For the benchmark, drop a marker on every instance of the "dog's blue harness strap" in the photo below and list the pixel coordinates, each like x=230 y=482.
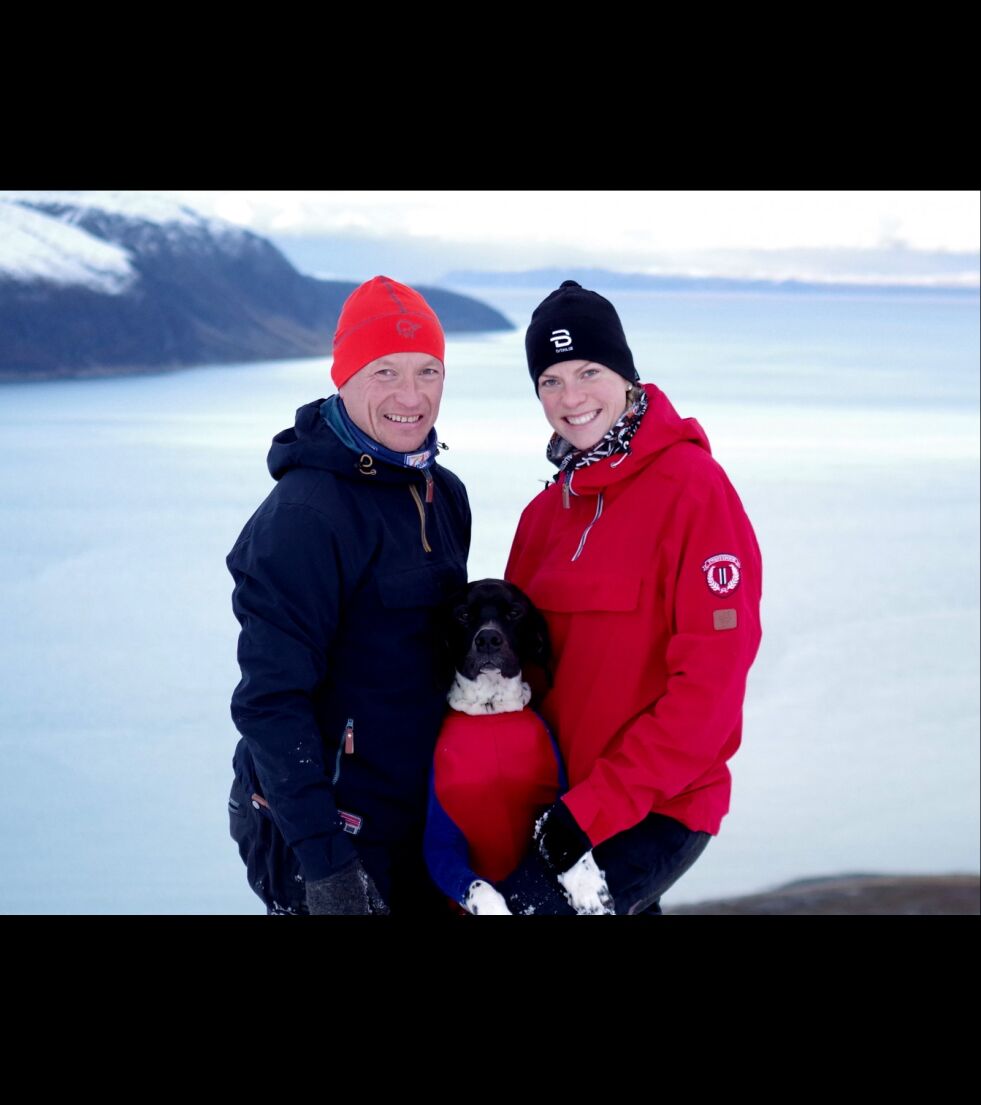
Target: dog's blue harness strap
x=446 y=851
x=563 y=778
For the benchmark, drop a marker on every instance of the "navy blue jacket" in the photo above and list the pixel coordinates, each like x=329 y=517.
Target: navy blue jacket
x=338 y=577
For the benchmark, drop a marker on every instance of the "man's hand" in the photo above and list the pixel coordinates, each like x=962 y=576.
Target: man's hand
x=559 y=839
x=348 y=891
x=482 y=899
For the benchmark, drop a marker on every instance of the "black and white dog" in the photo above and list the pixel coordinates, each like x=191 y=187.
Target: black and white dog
x=492 y=632
x=496 y=767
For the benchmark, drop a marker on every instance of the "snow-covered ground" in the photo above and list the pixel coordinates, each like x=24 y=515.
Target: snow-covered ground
x=850 y=429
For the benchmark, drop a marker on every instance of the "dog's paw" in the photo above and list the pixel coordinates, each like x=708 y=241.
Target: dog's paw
x=585 y=887
x=482 y=899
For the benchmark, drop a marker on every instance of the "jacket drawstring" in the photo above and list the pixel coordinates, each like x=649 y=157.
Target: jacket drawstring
x=585 y=532
x=566 y=489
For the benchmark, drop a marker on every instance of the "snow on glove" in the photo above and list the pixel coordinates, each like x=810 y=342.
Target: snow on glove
x=560 y=840
x=585 y=888
x=348 y=891
x=483 y=899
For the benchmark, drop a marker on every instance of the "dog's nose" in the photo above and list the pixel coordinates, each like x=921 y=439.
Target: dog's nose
x=488 y=640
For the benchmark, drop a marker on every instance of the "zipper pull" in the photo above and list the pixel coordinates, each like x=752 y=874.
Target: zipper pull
x=429 y=485
x=565 y=490
x=349 y=737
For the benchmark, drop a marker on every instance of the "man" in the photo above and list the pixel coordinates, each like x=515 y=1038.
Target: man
x=338 y=576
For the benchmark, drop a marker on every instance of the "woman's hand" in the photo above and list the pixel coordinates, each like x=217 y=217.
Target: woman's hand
x=559 y=839
x=585 y=888
x=569 y=853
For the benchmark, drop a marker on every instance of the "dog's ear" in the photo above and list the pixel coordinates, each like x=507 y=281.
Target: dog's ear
x=451 y=627
x=538 y=641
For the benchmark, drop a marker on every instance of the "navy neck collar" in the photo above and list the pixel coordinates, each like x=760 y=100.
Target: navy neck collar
x=334 y=413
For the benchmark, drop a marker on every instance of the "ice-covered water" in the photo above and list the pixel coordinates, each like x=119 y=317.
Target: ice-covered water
x=849 y=426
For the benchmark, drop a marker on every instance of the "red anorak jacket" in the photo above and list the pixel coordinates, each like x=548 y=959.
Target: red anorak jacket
x=649 y=575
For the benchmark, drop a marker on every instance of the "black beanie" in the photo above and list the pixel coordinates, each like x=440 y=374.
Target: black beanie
x=575 y=324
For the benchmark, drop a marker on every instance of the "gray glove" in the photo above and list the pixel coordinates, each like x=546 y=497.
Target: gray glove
x=348 y=891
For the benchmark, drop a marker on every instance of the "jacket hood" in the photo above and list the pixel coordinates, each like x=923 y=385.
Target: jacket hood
x=311 y=443
x=660 y=428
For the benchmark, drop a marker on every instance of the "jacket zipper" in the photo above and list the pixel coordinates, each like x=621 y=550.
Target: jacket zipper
x=422 y=510
x=346 y=745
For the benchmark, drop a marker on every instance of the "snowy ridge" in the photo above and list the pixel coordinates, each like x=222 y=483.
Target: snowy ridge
x=41 y=239
x=34 y=246
x=145 y=206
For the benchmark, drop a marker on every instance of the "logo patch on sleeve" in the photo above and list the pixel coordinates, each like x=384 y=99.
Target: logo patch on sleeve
x=724 y=619
x=351 y=822
x=722 y=573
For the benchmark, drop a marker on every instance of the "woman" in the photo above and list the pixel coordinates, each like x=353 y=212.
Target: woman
x=646 y=568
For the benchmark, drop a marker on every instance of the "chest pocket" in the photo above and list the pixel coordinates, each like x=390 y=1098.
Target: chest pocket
x=570 y=592
x=426 y=586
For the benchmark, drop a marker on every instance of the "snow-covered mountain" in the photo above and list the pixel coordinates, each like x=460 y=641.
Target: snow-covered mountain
x=102 y=283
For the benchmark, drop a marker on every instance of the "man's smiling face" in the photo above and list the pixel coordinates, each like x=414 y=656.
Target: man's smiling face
x=395 y=399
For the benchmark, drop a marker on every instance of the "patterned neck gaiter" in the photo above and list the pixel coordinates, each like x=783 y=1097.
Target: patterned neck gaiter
x=615 y=440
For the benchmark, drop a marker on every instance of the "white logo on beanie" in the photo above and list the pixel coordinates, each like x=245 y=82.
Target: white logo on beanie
x=561 y=339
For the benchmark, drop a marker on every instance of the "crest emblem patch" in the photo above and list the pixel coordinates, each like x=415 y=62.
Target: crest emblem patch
x=722 y=573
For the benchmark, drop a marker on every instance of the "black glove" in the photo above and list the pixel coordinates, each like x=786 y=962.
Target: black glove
x=560 y=840
x=348 y=891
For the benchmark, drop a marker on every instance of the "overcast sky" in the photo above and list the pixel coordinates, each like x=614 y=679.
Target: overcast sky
x=821 y=234
x=621 y=220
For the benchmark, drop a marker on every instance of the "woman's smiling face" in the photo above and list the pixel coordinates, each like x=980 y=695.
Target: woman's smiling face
x=582 y=400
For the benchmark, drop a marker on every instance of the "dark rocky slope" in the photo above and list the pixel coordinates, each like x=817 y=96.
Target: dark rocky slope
x=852 y=895
x=199 y=292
